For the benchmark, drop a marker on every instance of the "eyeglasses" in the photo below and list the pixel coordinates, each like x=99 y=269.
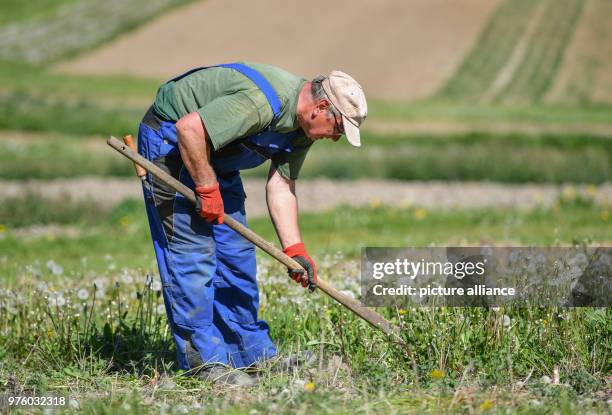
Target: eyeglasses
x=338 y=126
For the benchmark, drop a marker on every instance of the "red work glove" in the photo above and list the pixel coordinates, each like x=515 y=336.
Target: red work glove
x=299 y=254
x=209 y=203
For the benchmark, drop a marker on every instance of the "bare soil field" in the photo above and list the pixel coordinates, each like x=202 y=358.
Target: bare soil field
x=395 y=49
x=323 y=194
x=586 y=72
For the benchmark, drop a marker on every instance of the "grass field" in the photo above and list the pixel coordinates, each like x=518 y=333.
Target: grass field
x=41 y=32
x=524 y=42
x=84 y=321
x=67 y=109
x=552 y=158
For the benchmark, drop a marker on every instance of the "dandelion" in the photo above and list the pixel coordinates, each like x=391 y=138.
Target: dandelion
x=568 y=193
x=437 y=374
x=156 y=286
x=56 y=300
x=126 y=278
x=83 y=294
x=486 y=405
x=125 y=221
x=591 y=190
x=54 y=267
x=420 y=214
x=403 y=312
x=310 y=387
x=506 y=321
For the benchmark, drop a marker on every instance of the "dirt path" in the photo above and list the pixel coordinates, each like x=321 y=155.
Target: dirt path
x=404 y=49
x=320 y=195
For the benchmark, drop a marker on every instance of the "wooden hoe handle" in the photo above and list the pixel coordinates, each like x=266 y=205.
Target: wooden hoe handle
x=355 y=306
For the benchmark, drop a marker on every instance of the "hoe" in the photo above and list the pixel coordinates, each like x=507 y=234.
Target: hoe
x=142 y=165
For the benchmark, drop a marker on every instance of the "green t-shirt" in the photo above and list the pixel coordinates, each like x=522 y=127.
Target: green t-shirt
x=232 y=107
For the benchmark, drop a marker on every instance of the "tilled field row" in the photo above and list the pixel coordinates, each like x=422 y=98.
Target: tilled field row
x=323 y=194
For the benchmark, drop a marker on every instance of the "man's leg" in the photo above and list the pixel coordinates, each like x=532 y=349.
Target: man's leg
x=185 y=250
x=236 y=292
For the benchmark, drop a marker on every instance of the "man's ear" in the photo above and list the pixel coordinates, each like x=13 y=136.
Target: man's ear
x=322 y=106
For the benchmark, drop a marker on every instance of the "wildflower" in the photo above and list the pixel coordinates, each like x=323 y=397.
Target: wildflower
x=568 y=193
x=54 y=267
x=591 y=190
x=605 y=215
x=125 y=221
x=50 y=333
x=57 y=300
x=375 y=203
x=2 y=228
x=310 y=387
x=126 y=277
x=42 y=286
x=160 y=309
x=486 y=405
x=83 y=294
x=402 y=311
x=420 y=213
x=156 y=286
x=437 y=374
x=506 y=320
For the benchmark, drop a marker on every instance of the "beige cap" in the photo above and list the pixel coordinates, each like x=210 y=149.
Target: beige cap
x=347 y=96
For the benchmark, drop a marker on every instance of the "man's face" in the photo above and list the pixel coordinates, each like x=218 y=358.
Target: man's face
x=319 y=123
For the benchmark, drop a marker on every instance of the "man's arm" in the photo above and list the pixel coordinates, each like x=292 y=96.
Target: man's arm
x=283 y=208
x=195 y=147
x=282 y=205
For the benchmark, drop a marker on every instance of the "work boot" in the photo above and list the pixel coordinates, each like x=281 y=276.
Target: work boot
x=222 y=375
x=216 y=373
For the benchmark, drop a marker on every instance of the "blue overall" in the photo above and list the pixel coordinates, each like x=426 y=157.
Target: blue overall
x=208 y=272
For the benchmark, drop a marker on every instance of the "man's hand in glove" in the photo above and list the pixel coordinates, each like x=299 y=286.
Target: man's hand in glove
x=210 y=203
x=299 y=254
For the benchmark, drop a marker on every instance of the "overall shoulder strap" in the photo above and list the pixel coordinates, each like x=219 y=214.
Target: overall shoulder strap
x=257 y=78
x=262 y=83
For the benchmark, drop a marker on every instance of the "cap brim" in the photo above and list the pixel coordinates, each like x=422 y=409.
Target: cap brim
x=351 y=131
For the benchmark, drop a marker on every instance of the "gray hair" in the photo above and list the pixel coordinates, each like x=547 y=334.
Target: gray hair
x=318 y=93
